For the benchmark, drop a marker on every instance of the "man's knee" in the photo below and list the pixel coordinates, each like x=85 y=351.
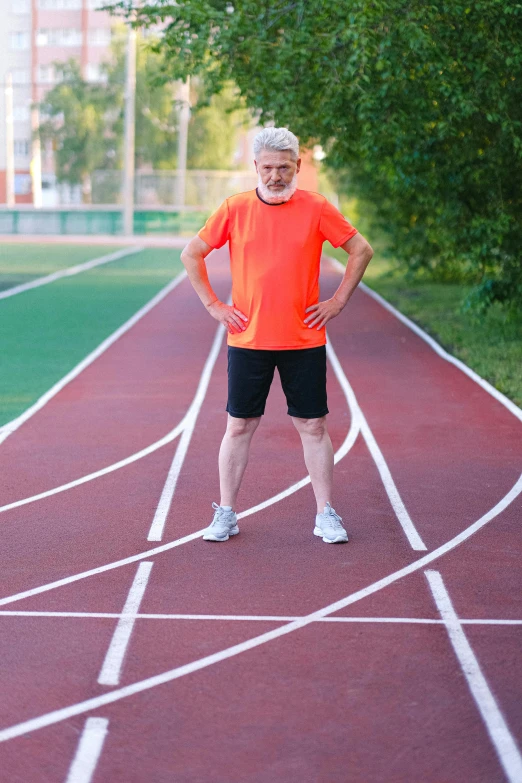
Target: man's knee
x=239 y=427
x=315 y=428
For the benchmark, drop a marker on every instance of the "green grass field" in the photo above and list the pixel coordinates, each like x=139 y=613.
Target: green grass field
x=491 y=345
x=22 y=263
x=48 y=330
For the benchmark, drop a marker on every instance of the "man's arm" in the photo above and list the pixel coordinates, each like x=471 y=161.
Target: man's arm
x=193 y=259
x=360 y=253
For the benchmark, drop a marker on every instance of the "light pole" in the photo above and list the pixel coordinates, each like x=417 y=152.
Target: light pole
x=36 y=159
x=128 y=143
x=184 y=117
x=9 y=143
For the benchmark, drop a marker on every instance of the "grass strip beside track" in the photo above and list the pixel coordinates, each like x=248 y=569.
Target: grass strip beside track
x=491 y=345
x=47 y=331
x=21 y=263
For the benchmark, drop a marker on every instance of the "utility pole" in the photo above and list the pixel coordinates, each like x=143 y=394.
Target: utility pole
x=9 y=143
x=36 y=159
x=184 y=117
x=128 y=143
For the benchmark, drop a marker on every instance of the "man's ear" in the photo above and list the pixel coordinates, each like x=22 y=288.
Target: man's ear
x=255 y=164
x=298 y=162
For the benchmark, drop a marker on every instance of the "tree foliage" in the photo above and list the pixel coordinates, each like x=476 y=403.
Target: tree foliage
x=417 y=103
x=79 y=118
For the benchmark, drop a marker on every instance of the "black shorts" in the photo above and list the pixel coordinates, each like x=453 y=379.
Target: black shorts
x=303 y=378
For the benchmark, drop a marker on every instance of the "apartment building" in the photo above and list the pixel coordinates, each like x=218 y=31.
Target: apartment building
x=34 y=35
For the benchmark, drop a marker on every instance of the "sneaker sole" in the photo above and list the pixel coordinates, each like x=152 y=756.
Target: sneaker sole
x=211 y=537
x=337 y=540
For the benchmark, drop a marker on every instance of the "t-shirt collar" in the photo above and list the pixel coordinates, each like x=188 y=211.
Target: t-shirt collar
x=280 y=204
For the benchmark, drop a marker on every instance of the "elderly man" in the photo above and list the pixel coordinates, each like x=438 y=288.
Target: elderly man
x=275 y=235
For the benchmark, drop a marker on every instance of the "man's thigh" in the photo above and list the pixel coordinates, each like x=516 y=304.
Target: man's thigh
x=303 y=378
x=250 y=374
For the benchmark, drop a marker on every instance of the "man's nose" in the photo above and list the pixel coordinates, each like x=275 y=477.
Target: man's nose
x=276 y=176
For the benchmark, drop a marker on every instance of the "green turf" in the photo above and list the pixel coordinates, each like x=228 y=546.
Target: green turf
x=490 y=344
x=22 y=263
x=48 y=330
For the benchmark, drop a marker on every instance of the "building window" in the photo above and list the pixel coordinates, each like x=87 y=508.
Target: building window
x=20 y=76
x=60 y=5
x=19 y=40
x=21 y=147
x=59 y=36
x=22 y=184
x=21 y=113
x=99 y=36
x=20 y=7
x=95 y=5
x=96 y=72
x=45 y=74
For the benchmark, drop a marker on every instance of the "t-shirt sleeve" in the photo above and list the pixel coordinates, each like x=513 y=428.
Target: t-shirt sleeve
x=334 y=227
x=215 y=232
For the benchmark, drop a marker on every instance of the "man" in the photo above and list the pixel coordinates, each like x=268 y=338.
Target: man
x=275 y=235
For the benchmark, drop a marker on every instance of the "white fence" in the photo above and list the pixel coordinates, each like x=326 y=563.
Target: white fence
x=198 y=188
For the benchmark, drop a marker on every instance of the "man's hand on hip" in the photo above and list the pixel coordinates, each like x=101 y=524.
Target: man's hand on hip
x=232 y=319
x=322 y=312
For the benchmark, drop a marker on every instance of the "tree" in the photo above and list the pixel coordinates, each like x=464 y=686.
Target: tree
x=79 y=119
x=418 y=102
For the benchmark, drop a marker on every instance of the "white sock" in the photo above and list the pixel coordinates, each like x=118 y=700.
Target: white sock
x=226 y=508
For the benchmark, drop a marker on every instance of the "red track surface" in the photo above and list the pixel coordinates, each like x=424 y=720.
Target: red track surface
x=359 y=702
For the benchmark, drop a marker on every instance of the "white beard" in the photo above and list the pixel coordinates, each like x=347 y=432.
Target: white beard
x=281 y=196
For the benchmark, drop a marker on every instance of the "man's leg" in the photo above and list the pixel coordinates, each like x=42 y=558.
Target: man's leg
x=319 y=457
x=233 y=457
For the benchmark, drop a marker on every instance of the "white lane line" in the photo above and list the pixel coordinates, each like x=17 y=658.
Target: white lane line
x=111 y=669
x=89 y=750
x=67 y=580
x=509 y=404
x=160 y=517
x=168 y=438
x=346 y=445
x=410 y=531
x=498 y=730
x=69 y=271
x=12 y=426
x=79 y=708
x=276 y=618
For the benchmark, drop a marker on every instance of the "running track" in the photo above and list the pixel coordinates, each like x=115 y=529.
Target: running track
x=393 y=658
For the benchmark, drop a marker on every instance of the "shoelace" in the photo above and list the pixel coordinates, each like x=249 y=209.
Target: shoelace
x=219 y=515
x=334 y=518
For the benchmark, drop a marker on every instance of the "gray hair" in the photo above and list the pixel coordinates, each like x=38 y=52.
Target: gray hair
x=279 y=139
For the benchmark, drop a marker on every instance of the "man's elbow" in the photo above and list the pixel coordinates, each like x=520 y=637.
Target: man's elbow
x=184 y=257
x=367 y=252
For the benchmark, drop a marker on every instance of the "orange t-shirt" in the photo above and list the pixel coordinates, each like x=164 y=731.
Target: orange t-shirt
x=275 y=254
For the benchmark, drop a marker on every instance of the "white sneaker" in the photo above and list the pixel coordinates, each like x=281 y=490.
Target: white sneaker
x=222 y=526
x=328 y=526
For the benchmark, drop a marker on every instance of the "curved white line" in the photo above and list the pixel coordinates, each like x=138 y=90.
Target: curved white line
x=409 y=529
x=11 y=426
x=505 y=401
x=56 y=716
x=168 y=438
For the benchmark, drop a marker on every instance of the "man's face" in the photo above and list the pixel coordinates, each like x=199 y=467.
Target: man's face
x=276 y=169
